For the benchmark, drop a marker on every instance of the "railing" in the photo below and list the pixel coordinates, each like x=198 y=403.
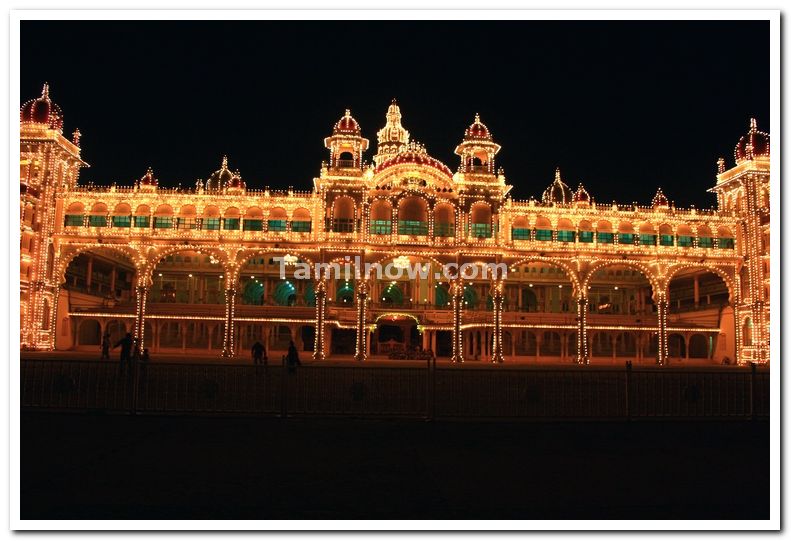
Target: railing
x=420 y=391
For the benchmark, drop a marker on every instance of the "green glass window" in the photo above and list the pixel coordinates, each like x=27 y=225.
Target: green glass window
x=586 y=236
x=412 y=227
x=97 y=221
x=381 y=227
x=706 y=242
x=684 y=241
x=252 y=225
x=566 y=236
x=481 y=230
x=520 y=233
x=211 y=224
x=301 y=227
x=73 y=220
x=276 y=225
x=163 y=222
x=647 y=239
x=666 y=240
x=231 y=224
x=186 y=223
x=122 y=221
x=444 y=229
x=604 y=238
x=726 y=243
x=543 y=234
x=626 y=238
x=142 y=221
x=343 y=225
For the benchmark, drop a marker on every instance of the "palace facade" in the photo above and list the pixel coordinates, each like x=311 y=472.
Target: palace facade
x=197 y=271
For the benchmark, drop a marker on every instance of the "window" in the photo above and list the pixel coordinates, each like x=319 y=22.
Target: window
x=481 y=230
x=231 y=224
x=97 y=221
x=647 y=239
x=163 y=222
x=301 y=226
x=586 y=236
x=381 y=227
x=444 y=229
x=73 y=220
x=706 y=242
x=543 y=234
x=211 y=224
x=684 y=241
x=187 y=223
x=343 y=225
x=566 y=236
x=726 y=243
x=142 y=221
x=520 y=233
x=276 y=225
x=604 y=237
x=122 y=221
x=412 y=227
x=666 y=240
x=626 y=238
x=252 y=225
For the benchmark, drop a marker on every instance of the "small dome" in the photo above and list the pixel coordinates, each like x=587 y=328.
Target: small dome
x=558 y=191
x=221 y=177
x=236 y=183
x=752 y=145
x=42 y=111
x=660 y=200
x=347 y=125
x=148 y=180
x=581 y=196
x=415 y=153
x=477 y=130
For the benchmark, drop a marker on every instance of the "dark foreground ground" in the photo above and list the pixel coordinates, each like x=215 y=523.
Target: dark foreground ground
x=149 y=467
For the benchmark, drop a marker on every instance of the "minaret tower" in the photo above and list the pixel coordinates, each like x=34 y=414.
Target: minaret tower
x=393 y=138
x=477 y=150
x=49 y=164
x=346 y=145
x=744 y=189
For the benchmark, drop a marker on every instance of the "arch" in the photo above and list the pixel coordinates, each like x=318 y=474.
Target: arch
x=550 y=344
x=705 y=238
x=231 y=212
x=470 y=298
x=75 y=208
x=89 y=332
x=441 y=296
x=278 y=213
x=543 y=228
x=187 y=210
x=122 y=209
x=392 y=295
x=566 y=230
x=99 y=208
x=481 y=220
x=444 y=220
x=211 y=211
x=343 y=214
x=69 y=253
x=412 y=215
x=698 y=347
x=46 y=316
x=567 y=268
x=747 y=332
x=301 y=214
x=164 y=210
x=520 y=228
x=277 y=220
x=253 y=293
x=624 y=287
x=674 y=270
x=381 y=217
x=676 y=345
x=652 y=279
x=344 y=294
x=301 y=221
x=285 y=294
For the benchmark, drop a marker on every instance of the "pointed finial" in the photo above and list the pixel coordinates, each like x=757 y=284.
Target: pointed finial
x=45 y=91
x=348 y=113
x=75 y=138
x=477 y=118
x=225 y=162
x=721 y=165
x=557 y=174
x=394 y=102
x=753 y=125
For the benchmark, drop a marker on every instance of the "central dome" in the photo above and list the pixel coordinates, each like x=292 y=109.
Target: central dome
x=347 y=125
x=415 y=153
x=221 y=177
x=558 y=191
x=42 y=111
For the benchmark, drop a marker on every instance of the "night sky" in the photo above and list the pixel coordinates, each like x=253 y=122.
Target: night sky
x=623 y=107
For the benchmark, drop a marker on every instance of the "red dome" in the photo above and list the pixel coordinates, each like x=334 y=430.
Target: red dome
x=417 y=155
x=236 y=182
x=346 y=125
x=755 y=143
x=659 y=199
x=42 y=111
x=477 y=130
x=581 y=195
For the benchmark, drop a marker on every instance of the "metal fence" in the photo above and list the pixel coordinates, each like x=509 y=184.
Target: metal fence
x=420 y=391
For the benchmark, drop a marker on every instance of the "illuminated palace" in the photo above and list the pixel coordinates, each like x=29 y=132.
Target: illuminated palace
x=197 y=271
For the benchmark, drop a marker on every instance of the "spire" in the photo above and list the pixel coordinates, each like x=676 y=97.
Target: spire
x=721 y=165
x=224 y=162
x=557 y=175
x=393 y=138
x=753 y=125
x=75 y=138
x=477 y=118
x=659 y=200
x=45 y=91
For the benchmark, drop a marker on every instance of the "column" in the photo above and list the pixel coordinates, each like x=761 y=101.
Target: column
x=457 y=293
x=426 y=340
x=614 y=339
x=434 y=342
x=696 y=290
x=228 y=346
x=320 y=288
x=141 y=297
x=687 y=336
x=661 y=316
x=112 y=281
x=498 y=289
x=582 y=331
x=361 y=346
x=89 y=273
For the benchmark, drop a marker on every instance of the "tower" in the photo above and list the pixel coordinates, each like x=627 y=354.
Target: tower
x=393 y=138
x=346 y=144
x=49 y=164
x=744 y=190
x=477 y=150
